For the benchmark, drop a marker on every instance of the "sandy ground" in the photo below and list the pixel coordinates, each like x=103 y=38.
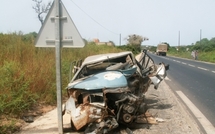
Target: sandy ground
x=46 y=124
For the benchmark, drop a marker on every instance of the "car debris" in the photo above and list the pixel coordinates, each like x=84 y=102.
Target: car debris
x=108 y=90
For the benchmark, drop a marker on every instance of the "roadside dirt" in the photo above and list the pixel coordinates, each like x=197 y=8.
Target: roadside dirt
x=173 y=114
x=39 y=110
x=26 y=117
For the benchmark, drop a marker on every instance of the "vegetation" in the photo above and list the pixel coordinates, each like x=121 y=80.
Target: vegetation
x=28 y=74
x=205 y=49
x=135 y=39
x=135 y=50
x=134 y=43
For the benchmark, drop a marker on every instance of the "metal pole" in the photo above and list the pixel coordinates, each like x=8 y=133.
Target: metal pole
x=58 y=65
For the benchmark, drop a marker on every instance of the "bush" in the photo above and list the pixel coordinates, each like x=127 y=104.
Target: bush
x=28 y=74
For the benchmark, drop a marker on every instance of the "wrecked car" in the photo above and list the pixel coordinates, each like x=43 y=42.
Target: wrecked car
x=108 y=90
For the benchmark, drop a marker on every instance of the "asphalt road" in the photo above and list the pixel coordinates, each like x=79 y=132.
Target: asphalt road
x=195 y=79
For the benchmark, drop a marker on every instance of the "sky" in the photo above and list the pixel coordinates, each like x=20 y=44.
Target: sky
x=177 y=22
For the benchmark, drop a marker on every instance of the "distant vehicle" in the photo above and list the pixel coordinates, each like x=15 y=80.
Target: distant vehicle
x=161 y=49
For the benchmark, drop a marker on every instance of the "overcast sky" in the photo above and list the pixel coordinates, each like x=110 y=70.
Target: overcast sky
x=159 y=20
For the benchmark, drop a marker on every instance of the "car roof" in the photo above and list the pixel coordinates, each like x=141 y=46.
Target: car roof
x=102 y=57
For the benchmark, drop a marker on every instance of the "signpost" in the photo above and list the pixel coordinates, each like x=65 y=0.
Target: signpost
x=59 y=31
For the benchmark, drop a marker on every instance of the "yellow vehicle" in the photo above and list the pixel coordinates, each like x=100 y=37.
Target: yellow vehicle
x=161 y=49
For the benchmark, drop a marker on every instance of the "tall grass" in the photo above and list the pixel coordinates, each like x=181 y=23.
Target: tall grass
x=28 y=75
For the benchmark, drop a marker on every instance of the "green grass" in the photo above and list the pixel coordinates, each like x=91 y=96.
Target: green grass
x=202 y=56
x=207 y=56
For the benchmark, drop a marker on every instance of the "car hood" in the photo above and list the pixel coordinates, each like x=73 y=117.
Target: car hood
x=108 y=79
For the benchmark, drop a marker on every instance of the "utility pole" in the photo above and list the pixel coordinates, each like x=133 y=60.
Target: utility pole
x=120 y=39
x=200 y=36
x=178 y=39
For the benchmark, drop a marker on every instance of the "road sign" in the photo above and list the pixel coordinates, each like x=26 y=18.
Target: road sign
x=70 y=37
x=59 y=31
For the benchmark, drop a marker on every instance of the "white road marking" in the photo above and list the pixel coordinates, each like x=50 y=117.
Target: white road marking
x=166 y=78
x=178 y=61
x=213 y=71
x=184 y=63
x=174 y=60
x=209 y=128
x=202 y=68
x=191 y=65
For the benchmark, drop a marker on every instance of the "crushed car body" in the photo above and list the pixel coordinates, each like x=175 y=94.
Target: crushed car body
x=109 y=89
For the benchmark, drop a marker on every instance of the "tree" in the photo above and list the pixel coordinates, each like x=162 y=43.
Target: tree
x=112 y=43
x=212 y=43
x=134 y=42
x=41 y=8
x=135 y=39
x=168 y=46
x=29 y=37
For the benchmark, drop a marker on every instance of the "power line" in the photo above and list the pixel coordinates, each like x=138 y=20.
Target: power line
x=94 y=19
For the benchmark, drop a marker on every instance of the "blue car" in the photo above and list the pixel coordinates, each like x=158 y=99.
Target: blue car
x=109 y=89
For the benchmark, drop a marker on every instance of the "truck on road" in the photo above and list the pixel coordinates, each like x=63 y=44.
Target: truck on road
x=161 y=49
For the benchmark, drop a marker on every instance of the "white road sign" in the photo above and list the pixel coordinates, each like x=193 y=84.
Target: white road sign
x=70 y=37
